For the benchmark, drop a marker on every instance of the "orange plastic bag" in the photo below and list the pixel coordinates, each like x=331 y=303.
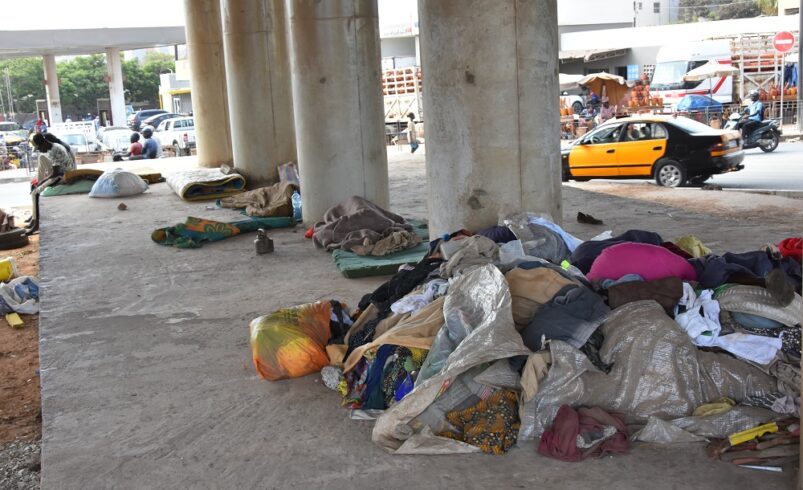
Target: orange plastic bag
x=291 y=342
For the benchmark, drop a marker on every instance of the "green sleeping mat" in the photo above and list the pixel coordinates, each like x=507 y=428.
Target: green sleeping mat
x=77 y=187
x=353 y=266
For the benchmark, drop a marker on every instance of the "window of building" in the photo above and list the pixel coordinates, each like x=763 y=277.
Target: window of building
x=792 y=11
x=656 y=7
x=632 y=72
x=640 y=6
x=622 y=71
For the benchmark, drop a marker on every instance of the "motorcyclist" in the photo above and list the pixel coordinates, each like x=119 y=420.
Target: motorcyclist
x=755 y=114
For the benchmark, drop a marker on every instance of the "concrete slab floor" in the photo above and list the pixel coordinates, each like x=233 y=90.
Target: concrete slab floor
x=147 y=380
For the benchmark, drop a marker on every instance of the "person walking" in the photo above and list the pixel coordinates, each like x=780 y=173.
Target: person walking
x=412 y=133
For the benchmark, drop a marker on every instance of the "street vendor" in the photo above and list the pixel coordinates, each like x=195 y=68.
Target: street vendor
x=606 y=112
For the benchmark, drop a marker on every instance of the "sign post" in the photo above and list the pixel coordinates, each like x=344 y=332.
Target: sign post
x=783 y=42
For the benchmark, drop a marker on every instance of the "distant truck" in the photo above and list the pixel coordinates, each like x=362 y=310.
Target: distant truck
x=674 y=61
x=177 y=133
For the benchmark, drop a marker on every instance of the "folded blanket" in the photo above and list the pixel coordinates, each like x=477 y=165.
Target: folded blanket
x=194 y=232
x=359 y=225
x=274 y=200
x=205 y=183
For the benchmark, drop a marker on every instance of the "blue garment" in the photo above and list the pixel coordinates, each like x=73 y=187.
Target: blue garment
x=150 y=149
x=571 y=242
x=756 y=111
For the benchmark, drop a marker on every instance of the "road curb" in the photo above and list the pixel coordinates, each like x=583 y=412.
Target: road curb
x=767 y=192
x=14 y=180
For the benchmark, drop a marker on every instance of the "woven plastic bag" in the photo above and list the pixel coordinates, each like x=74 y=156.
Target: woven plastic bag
x=118 y=183
x=291 y=342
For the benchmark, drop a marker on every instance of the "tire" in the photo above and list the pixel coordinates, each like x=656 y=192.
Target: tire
x=581 y=179
x=669 y=173
x=772 y=146
x=577 y=107
x=13 y=239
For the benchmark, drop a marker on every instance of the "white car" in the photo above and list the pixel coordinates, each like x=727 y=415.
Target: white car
x=177 y=133
x=79 y=142
x=575 y=102
x=116 y=139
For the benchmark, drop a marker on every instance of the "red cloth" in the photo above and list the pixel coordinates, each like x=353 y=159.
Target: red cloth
x=135 y=149
x=560 y=440
x=792 y=247
x=309 y=233
x=649 y=261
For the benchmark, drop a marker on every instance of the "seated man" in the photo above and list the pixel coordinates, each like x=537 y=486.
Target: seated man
x=54 y=160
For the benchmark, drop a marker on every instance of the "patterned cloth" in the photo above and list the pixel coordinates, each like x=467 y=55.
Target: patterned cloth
x=492 y=424
x=404 y=362
x=194 y=232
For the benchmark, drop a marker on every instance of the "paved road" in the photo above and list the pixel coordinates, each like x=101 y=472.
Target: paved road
x=779 y=170
x=15 y=195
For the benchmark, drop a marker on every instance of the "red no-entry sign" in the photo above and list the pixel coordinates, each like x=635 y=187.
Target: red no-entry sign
x=784 y=41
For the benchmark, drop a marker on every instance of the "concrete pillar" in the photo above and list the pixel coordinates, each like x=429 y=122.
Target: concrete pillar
x=208 y=81
x=337 y=96
x=52 y=89
x=490 y=74
x=116 y=92
x=259 y=88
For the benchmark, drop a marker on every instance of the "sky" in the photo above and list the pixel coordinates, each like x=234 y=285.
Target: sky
x=92 y=14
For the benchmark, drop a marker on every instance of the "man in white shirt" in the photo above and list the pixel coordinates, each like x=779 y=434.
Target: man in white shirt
x=412 y=133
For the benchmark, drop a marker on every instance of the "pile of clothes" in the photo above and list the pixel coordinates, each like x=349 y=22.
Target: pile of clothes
x=523 y=331
x=360 y=226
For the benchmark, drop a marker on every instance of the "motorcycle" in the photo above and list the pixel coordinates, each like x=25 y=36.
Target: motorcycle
x=766 y=135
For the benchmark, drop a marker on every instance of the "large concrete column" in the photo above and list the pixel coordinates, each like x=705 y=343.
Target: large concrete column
x=114 y=67
x=260 y=94
x=52 y=89
x=337 y=97
x=207 y=71
x=490 y=74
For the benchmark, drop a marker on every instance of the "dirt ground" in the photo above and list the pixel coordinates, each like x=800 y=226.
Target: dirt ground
x=20 y=413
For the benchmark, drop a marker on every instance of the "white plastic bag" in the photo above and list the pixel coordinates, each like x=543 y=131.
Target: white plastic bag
x=118 y=183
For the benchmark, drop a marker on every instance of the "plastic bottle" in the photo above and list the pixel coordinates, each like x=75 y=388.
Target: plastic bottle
x=296 y=206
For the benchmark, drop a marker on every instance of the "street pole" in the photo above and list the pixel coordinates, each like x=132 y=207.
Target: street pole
x=800 y=77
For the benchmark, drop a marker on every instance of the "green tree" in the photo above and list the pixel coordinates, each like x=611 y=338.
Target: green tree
x=82 y=81
x=768 y=7
x=142 y=80
x=27 y=82
x=739 y=10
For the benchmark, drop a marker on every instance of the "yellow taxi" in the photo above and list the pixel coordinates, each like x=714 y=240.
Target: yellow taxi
x=673 y=150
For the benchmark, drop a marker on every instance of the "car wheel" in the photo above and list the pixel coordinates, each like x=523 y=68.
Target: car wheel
x=577 y=107
x=670 y=173
x=772 y=145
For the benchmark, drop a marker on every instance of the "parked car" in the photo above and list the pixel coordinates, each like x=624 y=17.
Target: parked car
x=135 y=120
x=575 y=102
x=157 y=119
x=672 y=150
x=178 y=133
x=79 y=142
x=12 y=133
x=115 y=138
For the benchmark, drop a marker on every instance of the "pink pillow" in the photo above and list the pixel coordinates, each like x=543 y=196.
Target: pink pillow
x=649 y=261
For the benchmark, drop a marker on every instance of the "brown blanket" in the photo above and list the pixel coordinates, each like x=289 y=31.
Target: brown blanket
x=359 y=226
x=275 y=200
